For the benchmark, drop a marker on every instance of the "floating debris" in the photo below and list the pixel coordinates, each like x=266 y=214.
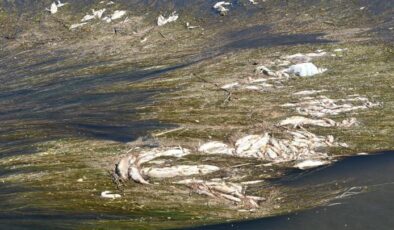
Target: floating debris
x=179 y=170
x=110 y=195
x=220 y=7
x=305 y=70
x=161 y=20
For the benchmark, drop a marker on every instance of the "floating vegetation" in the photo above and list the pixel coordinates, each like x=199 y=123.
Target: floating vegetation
x=76 y=103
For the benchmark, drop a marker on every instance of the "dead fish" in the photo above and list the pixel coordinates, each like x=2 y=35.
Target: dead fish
x=220 y=7
x=251 y=145
x=110 y=195
x=122 y=168
x=179 y=170
x=135 y=174
x=146 y=156
x=297 y=121
x=304 y=69
x=216 y=147
x=161 y=20
x=264 y=70
x=230 y=85
x=307 y=164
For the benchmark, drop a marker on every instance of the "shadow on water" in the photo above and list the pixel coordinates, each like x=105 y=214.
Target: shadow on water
x=248 y=39
x=37 y=106
x=365 y=204
x=262 y=36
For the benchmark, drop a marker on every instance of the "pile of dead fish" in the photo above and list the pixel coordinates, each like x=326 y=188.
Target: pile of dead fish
x=131 y=166
x=223 y=190
x=300 y=121
x=302 y=145
x=100 y=15
x=298 y=147
x=322 y=106
x=297 y=65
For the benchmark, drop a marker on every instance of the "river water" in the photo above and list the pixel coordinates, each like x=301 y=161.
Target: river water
x=366 y=202
x=43 y=100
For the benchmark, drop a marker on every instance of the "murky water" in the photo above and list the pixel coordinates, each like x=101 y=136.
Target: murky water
x=46 y=100
x=44 y=95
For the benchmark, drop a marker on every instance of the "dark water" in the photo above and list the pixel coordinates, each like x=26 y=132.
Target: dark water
x=48 y=99
x=366 y=203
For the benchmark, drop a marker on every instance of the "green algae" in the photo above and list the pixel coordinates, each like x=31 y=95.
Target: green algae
x=51 y=175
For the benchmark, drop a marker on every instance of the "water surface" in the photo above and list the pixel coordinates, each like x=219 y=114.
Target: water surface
x=367 y=185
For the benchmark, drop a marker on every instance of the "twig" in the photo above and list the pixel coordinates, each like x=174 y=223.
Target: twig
x=168 y=131
x=229 y=93
x=240 y=165
x=162 y=34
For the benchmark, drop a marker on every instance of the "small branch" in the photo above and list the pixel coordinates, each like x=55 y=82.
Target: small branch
x=162 y=34
x=168 y=131
x=229 y=93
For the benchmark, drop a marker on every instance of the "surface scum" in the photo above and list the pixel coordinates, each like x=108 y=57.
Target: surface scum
x=65 y=123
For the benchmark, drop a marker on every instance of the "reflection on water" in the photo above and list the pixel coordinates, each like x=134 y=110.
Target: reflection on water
x=370 y=209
